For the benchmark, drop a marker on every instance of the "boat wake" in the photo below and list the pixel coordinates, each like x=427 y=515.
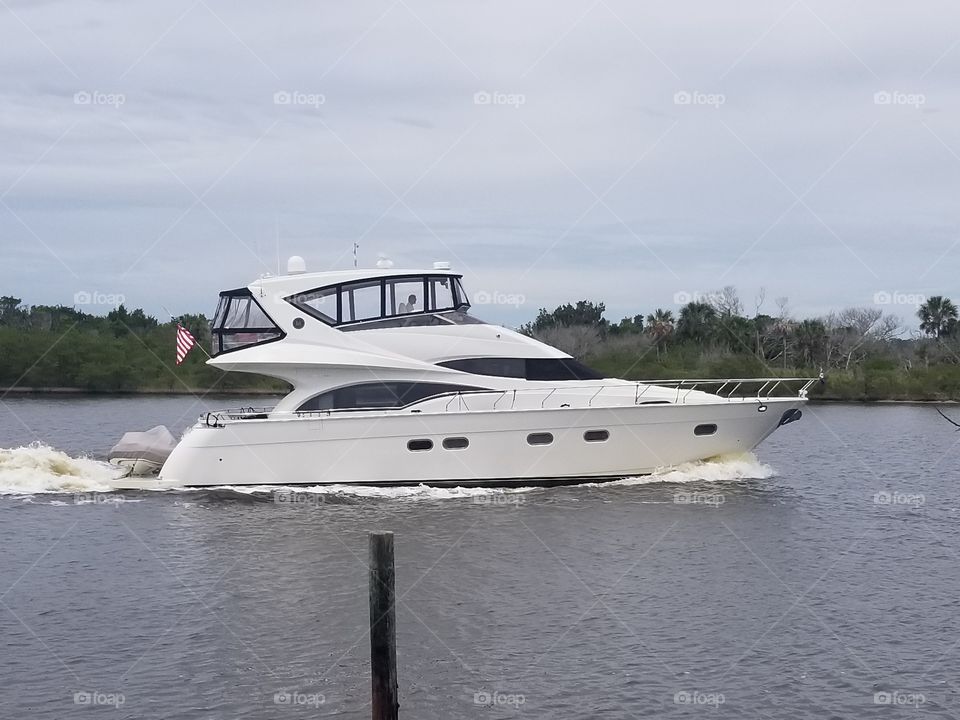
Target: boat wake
x=742 y=466
x=38 y=468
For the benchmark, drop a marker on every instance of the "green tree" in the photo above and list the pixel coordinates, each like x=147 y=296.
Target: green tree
x=938 y=316
x=811 y=338
x=697 y=322
x=585 y=312
x=659 y=327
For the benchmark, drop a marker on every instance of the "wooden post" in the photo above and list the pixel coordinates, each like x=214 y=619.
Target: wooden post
x=383 y=628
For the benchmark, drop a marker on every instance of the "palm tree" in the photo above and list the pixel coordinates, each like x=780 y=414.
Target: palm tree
x=698 y=322
x=811 y=341
x=937 y=316
x=659 y=327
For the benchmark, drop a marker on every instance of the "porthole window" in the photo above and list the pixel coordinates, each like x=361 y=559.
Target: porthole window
x=596 y=436
x=298 y=323
x=543 y=438
x=455 y=443
x=707 y=429
x=420 y=445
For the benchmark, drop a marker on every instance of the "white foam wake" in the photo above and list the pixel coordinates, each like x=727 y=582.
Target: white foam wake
x=38 y=468
x=740 y=466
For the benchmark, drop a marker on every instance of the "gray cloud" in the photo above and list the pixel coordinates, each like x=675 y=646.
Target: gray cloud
x=553 y=150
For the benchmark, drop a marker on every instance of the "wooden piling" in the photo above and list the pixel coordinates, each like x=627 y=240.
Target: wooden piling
x=383 y=628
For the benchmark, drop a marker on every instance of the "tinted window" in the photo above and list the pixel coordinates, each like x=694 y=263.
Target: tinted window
x=378 y=395
x=540 y=438
x=500 y=367
x=422 y=444
x=528 y=368
x=708 y=429
x=455 y=443
x=559 y=369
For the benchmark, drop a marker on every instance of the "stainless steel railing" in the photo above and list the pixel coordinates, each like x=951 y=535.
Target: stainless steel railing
x=731 y=389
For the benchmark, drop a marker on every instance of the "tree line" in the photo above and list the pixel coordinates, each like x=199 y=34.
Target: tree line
x=55 y=346
x=867 y=353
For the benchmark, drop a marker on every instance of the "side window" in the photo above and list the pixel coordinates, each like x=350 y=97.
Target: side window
x=378 y=395
x=360 y=301
x=404 y=296
x=441 y=293
x=321 y=304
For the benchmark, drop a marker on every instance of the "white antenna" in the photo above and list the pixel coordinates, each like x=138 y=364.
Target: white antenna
x=356 y=246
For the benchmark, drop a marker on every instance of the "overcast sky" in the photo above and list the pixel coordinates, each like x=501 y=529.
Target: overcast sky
x=636 y=154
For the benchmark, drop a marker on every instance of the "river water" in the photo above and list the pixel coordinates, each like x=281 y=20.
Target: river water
x=816 y=579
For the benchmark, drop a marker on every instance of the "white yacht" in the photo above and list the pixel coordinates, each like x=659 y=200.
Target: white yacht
x=396 y=382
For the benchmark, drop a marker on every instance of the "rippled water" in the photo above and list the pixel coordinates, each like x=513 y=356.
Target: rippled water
x=818 y=579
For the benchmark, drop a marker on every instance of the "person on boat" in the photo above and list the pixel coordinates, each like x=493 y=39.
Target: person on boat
x=410 y=306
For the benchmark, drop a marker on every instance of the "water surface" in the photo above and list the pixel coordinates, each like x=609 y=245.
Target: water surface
x=818 y=579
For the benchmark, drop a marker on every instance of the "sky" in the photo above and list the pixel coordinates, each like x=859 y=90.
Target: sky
x=635 y=154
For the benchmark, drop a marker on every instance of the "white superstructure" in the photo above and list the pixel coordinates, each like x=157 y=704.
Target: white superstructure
x=394 y=381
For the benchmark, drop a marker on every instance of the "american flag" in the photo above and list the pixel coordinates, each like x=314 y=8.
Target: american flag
x=185 y=342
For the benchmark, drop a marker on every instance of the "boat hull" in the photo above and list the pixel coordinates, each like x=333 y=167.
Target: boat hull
x=372 y=449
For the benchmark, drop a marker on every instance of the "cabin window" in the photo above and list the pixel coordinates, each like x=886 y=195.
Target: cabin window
x=420 y=445
x=441 y=294
x=378 y=395
x=361 y=301
x=596 y=435
x=240 y=322
x=405 y=296
x=388 y=301
x=528 y=368
x=542 y=438
x=705 y=429
x=455 y=443
x=322 y=304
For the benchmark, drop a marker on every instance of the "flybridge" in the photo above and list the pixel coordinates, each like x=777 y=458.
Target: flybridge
x=355 y=299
